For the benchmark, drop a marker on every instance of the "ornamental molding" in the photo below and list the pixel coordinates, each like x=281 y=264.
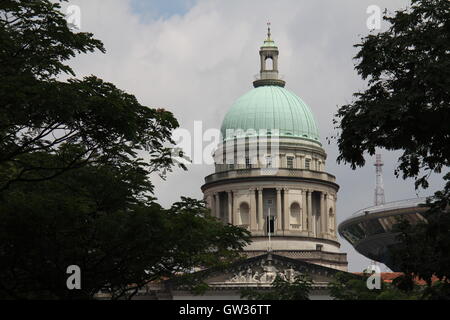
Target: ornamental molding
x=264 y=275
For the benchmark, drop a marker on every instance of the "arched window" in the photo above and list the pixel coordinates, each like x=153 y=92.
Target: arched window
x=244 y=213
x=295 y=214
x=290 y=162
x=269 y=64
x=308 y=164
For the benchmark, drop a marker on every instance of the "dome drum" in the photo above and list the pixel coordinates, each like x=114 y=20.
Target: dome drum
x=270 y=173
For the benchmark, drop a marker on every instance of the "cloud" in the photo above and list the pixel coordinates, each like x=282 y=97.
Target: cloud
x=198 y=60
x=155 y=9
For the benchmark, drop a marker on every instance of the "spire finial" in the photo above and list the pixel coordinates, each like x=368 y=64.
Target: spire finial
x=268 y=52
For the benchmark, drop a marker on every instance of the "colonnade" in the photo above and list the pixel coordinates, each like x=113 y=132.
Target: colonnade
x=317 y=216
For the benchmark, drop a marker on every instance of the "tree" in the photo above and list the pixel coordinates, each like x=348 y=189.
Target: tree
x=346 y=286
x=73 y=190
x=282 y=289
x=38 y=113
x=422 y=249
x=406 y=107
x=94 y=218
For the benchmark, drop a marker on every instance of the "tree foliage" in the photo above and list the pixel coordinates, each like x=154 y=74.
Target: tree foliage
x=346 y=286
x=422 y=248
x=94 y=218
x=73 y=188
x=407 y=107
x=282 y=289
x=82 y=121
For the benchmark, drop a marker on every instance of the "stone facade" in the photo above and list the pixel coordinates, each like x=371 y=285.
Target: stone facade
x=295 y=201
x=270 y=173
x=255 y=272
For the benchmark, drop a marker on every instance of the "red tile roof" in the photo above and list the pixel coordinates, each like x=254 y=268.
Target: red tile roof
x=388 y=277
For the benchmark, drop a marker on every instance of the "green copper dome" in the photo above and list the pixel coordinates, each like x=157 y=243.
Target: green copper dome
x=271 y=108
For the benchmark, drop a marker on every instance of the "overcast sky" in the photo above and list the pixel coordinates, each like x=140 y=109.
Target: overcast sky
x=195 y=58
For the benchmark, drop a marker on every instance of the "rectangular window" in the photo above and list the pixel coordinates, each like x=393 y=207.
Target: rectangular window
x=290 y=162
x=308 y=164
x=248 y=165
x=270 y=225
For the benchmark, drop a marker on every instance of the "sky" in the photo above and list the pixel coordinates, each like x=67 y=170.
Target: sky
x=195 y=58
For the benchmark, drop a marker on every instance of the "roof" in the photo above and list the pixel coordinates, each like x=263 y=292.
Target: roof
x=269 y=43
x=401 y=204
x=272 y=109
x=388 y=277
x=315 y=271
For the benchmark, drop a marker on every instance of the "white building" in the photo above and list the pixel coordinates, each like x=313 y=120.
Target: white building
x=270 y=178
x=270 y=173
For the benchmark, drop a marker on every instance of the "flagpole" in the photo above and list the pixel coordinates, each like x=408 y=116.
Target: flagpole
x=270 y=244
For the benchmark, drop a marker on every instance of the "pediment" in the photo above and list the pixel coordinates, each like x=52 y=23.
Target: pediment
x=262 y=270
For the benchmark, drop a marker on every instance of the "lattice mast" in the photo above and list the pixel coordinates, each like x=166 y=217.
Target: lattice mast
x=379 y=188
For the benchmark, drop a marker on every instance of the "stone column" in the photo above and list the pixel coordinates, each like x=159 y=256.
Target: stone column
x=334 y=233
x=283 y=160
x=260 y=210
x=217 y=205
x=208 y=200
x=304 y=212
x=286 y=210
x=311 y=222
x=279 y=213
x=235 y=209
x=263 y=63
x=300 y=162
x=335 y=215
x=253 y=214
x=323 y=214
x=230 y=207
x=326 y=216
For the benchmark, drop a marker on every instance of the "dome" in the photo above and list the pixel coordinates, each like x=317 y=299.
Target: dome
x=271 y=108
